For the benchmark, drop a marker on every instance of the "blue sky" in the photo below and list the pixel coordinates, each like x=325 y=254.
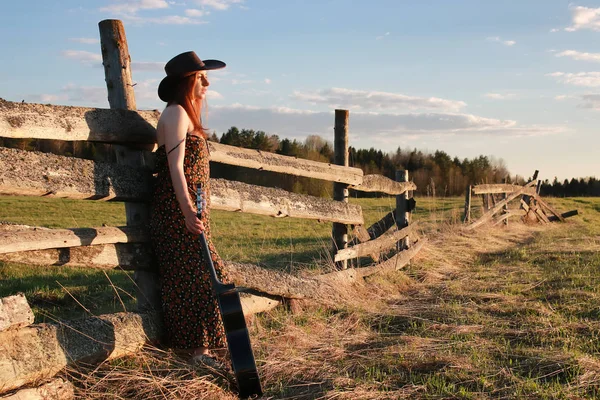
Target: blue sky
x=516 y=80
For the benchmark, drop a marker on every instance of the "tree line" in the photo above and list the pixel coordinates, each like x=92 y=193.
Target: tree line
x=582 y=187
x=436 y=174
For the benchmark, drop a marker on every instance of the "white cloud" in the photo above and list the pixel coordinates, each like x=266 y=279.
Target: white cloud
x=584 y=18
x=211 y=94
x=128 y=7
x=382 y=36
x=504 y=42
x=586 y=79
x=267 y=81
x=218 y=4
x=554 y=30
x=373 y=100
x=46 y=98
x=191 y=12
x=166 y=20
x=85 y=57
x=579 y=56
x=499 y=96
x=129 y=10
x=85 y=40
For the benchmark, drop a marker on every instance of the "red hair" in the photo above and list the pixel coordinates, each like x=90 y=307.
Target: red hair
x=184 y=96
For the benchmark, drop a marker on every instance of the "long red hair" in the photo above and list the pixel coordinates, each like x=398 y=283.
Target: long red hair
x=183 y=95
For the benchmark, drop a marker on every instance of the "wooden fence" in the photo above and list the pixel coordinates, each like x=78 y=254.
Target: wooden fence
x=496 y=210
x=29 y=353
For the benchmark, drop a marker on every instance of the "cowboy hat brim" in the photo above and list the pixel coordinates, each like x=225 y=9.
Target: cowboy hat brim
x=167 y=85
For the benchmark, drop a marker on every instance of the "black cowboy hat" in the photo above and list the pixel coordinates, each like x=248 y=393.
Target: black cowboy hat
x=182 y=65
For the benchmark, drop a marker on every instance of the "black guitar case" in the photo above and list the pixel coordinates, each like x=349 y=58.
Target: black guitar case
x=238 y=340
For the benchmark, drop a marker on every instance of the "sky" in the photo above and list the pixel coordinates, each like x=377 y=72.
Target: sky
x=518 y=81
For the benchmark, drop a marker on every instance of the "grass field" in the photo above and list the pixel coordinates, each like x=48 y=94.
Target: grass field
x=500 y=313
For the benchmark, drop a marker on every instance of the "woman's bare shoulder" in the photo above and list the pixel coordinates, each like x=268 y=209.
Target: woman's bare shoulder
x=173 y=112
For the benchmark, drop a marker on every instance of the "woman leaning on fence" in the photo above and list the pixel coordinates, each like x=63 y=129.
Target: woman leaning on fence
x=191 y=315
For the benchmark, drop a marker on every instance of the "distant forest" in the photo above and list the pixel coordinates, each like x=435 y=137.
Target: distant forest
x=437 y=174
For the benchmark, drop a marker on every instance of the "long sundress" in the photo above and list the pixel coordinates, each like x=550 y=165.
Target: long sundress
x=190 y=310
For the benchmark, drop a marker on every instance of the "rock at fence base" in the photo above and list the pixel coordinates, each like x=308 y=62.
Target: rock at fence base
x=57 y=389
x=15 y=312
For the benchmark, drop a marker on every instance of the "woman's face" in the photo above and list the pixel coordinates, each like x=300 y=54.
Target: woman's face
x=201 y=85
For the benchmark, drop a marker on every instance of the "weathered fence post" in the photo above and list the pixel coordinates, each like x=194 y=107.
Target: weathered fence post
x=402 y=212
x=340 y=190
x=505 y=208
x=117 y=62
x=467 y=216
x=117 y=72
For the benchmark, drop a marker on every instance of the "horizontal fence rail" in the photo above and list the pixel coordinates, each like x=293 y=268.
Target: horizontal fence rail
x=500 y=188
x=39 y=121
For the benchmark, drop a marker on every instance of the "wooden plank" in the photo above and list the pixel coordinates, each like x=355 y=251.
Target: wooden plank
x=40 y=351
x=25 y=240
x=508 y=214
x=383 y=184
x=361 y=233
x=56 y=389
x=567 y=214
x=498 y=188
x=238 y=196
x=488 y=215
x=15 y=312
x=540 y=213
x=38 y=121
x=125 y=256
x=266 y=161
x=384 y=242
x=383 y=225
x=549 y=208
x=398 y=261
x=40 y=174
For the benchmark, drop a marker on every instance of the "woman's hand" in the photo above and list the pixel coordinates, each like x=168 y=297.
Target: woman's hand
x=192 y=223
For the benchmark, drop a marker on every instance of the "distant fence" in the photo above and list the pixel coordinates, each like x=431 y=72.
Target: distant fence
x=29 y=353
x=495 y=210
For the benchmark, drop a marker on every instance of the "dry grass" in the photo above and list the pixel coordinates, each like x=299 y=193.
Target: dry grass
x=151 y=374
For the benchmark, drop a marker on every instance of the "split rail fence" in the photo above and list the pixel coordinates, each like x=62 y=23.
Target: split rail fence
x=30 y=353
x=496 y=199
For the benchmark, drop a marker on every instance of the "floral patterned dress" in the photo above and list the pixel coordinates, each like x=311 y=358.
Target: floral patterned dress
x=190 y=310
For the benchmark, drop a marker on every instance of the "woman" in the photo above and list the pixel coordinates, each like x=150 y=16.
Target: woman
x=191 y=315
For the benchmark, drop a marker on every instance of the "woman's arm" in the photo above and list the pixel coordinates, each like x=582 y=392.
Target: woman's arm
x=175 y=124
